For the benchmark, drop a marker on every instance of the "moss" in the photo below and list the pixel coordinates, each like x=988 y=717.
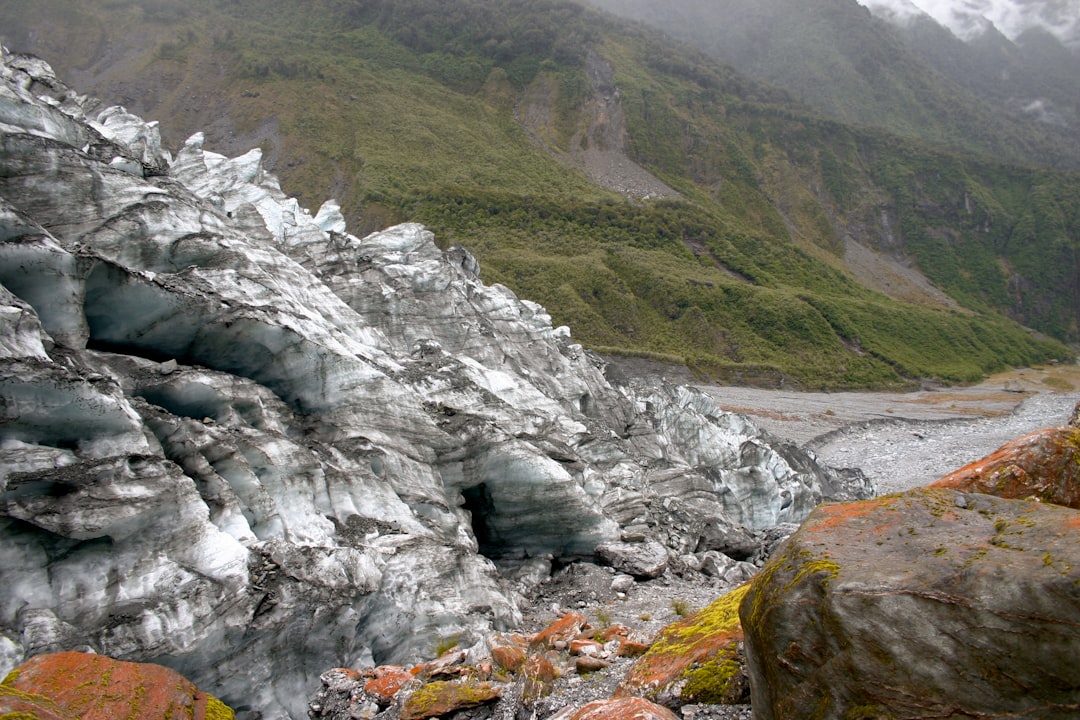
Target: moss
x=217 y=710
x=721 y=616
x=45 y=703
x=19 y=716
x=715 y=681
x=464 y=695
x=11 y=677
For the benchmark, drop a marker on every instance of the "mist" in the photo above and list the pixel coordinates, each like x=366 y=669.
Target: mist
x=970 y=18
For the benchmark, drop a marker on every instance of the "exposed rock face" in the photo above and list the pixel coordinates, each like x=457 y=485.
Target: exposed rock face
x=236 y=440
x=94 y=687
x=932 y=603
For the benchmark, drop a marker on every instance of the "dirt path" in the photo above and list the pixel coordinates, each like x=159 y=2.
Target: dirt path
x=901 y=440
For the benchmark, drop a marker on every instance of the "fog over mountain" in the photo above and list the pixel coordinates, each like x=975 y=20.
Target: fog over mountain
x=970 y=18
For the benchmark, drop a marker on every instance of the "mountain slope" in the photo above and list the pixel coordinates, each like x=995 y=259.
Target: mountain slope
x=478 y=118
x=914 y=78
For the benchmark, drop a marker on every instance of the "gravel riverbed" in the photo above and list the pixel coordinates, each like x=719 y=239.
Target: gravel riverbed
x=903 y=440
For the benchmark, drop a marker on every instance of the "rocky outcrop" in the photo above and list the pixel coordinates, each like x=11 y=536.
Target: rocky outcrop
x=241 y=442
x=932 y=603
x=92 y=687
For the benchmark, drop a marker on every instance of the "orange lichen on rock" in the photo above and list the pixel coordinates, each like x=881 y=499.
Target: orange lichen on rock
x=508 y=657
x=831 y=515
x=564 y=629
x=95 y=687
x=387 y=681
x=1044 y=465
x=539 y=673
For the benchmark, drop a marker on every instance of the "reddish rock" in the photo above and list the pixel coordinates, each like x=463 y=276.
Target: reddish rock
x=1044 y=464
x=587 y=664
x=385 y=683
x=444 y=697
x=611 y=632
x=508 y=657
x=19 y=704
x=95 y=687
x=564 y=629
x=539 y=674
x=925 y=604
x=447 y=665
x=631 y=648
x=618 y=709
x=585 y=647
x=697 y=659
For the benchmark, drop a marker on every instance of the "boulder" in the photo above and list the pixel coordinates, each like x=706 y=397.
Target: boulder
x=931 y=603
x=698 y=659
x=94 y=687
x=734 y=541
x=617 y=709
x=439 y=698
x=538 y=677
x=1043 y=465
x=508 y=658
x=563 y=630
x=644 y=560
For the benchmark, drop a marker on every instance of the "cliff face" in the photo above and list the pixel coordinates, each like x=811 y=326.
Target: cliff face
x=241 y=442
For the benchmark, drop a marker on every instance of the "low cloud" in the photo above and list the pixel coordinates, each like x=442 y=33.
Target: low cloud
x=969 y=18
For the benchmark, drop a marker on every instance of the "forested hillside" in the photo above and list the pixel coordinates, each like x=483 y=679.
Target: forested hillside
x=783 y=246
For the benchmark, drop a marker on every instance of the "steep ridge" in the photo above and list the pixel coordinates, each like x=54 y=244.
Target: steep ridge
x=798 y=251
x=241 y=442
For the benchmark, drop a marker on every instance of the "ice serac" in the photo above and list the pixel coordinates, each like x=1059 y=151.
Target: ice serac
x=241 y=442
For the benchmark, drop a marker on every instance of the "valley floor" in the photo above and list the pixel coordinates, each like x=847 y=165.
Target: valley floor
x=902 y=440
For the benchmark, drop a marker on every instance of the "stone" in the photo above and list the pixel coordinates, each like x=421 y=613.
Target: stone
x=508 y=657
x=585 y=647
x=645 y=560
x=95 y=687
x=622 y=583
x=912 y=606
x=586 y=664
x=617 y=709
x=563 y=630
x=439 y=698
x=386 y=682
x=735 y=542
x=698 y=659
x=538 y=675
x=1042 y=465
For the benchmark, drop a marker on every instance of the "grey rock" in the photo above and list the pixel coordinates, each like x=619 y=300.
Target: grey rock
x=645 y=560
x=622 y=583
x=909 y=606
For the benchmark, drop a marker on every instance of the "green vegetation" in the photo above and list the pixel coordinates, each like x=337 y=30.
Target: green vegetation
x=680 y=607
x=409 y=111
